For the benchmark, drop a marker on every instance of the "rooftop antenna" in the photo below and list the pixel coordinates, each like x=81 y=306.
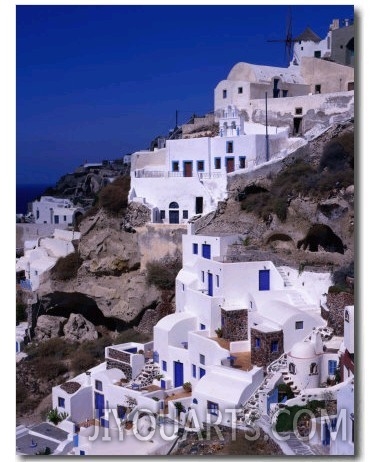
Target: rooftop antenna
x=288 y=40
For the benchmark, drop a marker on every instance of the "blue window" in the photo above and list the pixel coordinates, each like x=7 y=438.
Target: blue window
x=162 y=214
x=121 y=412
x=185 y=214
x=257 y=342
x=98 y=385
x=224 y=94
x=56 y=219
x=274 y=346
x=202 y=326
x=299 y=325
x=202 y=359
x=242 y=162
x=332 y=366
x=212 y=408
x=164 y=365
x=264 y=279
x=175 y=166
x=195 y=249
x=61 y=402
x=203 y=276
x=200 y=165
x=217 y=280
x=229 y=147
x=155 y=357
x=206 y=251
x=201 y=372
x=217 y=163
x=194 y=370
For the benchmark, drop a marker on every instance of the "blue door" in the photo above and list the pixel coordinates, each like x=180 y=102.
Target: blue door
x=210 y=284
x=174 y=217
x=327 y=435
x=178 y=373
x=99 y=404
x=264 y=280
x=206 y=251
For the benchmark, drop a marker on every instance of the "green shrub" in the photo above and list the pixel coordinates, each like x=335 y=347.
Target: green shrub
x=163 y=273
x=67 y=267
x=113 y=198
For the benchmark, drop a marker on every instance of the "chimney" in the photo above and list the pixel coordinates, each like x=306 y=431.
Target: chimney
x=87 y=378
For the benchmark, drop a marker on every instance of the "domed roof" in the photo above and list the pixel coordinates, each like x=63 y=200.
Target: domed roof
x=303 y=350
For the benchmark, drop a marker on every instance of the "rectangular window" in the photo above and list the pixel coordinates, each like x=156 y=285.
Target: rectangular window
x=162 y=214
x=61 y=402
x=229 y=147
x=332 y=366
x=98 y=385
x=274 y=346
x=201 y=372
x=121 y=411
x=284 y=93
x=240 y=90
x=198 y=205
x=56 y=219
x=200 y=165
x=224 y=93
x=202 y=326
x=212 y=408
x=318 y=89
x=185 y=214
x=202 y=359
x=206 y=251
x=298 y=110
x=257 y=342
x=164 y=366
x=183 y=287
x=317 y=54
x=299 y=325
x=203 y=276
x=217 y=163
x=195 y=249
x=217 y=280
x=175 y=166
x=64 y=218
x=194 y=370
x=264 y=279
x=242 y=162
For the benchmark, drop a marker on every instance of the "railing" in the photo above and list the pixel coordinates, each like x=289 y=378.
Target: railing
x=167 y=174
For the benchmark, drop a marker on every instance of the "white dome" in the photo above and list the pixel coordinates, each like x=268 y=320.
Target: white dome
x=303 y=350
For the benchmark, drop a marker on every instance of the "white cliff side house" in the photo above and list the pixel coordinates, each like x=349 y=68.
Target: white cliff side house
x=240 y=329
x=263 y=113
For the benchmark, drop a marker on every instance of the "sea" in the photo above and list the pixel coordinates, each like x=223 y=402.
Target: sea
x=26 y=193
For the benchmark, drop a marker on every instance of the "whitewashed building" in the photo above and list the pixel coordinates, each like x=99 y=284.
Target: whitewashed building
x=56 y=211
x=41 y=255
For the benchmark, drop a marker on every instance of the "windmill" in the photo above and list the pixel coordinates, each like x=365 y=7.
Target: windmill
x=288 y=40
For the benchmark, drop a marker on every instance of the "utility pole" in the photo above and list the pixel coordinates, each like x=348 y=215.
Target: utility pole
x=267 y=134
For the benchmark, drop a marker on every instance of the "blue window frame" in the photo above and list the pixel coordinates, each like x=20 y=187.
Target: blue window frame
x=212 y=408
x=195 y=249
x=332 y=366
x=264 y=279
x=257 y=342
x=164 y=365
x=194 y=370
x=274 y=346
x=155 y=357
x=201 y=372
x=200 y=165
x=98 y=385
x=206 y=251
x=61 y=402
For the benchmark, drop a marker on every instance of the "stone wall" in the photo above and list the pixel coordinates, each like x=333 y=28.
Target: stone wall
x=119 y=355
x=234 y=325
x=336 y=304
x=126 y=368
x=262 y=356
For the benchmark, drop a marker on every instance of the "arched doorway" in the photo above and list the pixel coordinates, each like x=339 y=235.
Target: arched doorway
x=174 y=214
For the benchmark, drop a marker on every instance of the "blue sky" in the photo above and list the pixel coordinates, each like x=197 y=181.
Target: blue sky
x=96 y=82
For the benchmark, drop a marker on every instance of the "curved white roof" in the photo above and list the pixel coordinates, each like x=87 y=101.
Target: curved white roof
x=257 y=73
x=168 y=322
x=303 y=350
x=278 y=311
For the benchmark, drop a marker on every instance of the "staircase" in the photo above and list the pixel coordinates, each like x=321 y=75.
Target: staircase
x=145 y=378
x=287 y=282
